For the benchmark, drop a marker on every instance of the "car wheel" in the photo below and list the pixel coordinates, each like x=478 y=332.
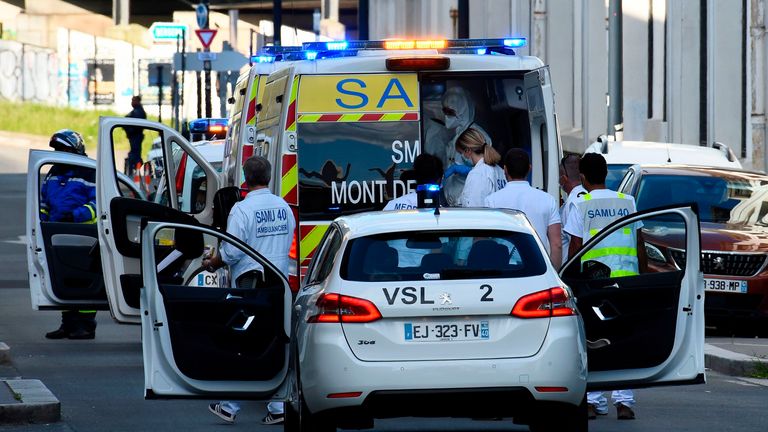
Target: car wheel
x=567 y=418
x=300 y=419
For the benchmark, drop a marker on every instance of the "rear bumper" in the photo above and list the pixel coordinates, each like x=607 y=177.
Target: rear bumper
x=328 y=366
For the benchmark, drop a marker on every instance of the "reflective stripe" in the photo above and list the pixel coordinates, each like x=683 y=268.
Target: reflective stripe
x=620 y=195
x=587 y=197
x=44 y=211
x=623 y=273
x=609 y=251
x=91 y=209
x=79 y=180
x=86 y=311
x=593 y=232
x=626 y=230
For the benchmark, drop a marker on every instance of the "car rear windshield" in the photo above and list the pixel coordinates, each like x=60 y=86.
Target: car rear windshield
x=721 y=200
x=615 y=174
x=442 y=255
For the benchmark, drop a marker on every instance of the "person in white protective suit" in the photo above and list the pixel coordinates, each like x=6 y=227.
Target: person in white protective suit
x=459 y=114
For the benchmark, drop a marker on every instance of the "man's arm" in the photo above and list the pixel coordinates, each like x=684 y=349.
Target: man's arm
x=555 y=245
x=574 y=246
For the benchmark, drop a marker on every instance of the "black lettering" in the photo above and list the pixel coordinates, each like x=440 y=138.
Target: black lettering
x=487 y=296
x=424 y=299
x=391 y=300
x=475 y=330
x=410 y=293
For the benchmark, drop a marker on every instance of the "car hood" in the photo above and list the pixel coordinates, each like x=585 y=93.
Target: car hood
x=726 y=237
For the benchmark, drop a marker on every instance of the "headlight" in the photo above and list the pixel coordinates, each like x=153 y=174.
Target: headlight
x=654 y=253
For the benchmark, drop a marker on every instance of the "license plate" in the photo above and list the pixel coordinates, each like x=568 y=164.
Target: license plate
x=725 y=285
x=447 y=331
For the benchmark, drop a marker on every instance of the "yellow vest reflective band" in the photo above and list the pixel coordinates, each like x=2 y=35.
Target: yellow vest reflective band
x=619 y=250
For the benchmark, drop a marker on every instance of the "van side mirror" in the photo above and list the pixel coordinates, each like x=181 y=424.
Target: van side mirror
x=223 y=201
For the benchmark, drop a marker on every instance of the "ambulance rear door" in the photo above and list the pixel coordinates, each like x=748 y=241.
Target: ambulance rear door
x=545 y=149
x=356 y=135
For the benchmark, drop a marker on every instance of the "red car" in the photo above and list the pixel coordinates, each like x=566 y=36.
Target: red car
x=733 y=212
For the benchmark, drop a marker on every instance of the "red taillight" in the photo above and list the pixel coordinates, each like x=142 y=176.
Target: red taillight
x=418 y=63
x=553 y=302
x=551 y=389
x=334 y=308
x=180 y=173
x=344 y=395
x=293 y=283
x=293 y=252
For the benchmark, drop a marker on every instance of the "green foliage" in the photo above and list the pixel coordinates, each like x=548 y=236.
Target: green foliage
x=759 y=368
x=44 y=120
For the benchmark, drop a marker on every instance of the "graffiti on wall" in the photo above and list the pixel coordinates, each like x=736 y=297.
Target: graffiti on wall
x=27 y=73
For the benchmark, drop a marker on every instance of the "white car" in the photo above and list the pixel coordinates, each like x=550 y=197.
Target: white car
x=413 y=313
x=620 y=155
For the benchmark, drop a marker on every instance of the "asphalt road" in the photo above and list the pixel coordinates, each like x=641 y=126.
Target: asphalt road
x=100 y=382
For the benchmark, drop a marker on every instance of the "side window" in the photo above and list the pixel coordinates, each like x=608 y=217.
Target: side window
x=67 y=193
x=320 y=267
x=189 y=180
x=236 y=116
x=653 y=244
x=626 y=182
x=138 y=154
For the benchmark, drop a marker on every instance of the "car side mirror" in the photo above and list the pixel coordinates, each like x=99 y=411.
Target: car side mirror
x=223 y=201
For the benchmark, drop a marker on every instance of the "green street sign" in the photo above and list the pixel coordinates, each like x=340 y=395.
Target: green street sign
x=168 y=31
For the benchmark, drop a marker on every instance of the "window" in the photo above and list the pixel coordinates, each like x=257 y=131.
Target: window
x=430 y=255
x=322 y=263
x=615 y=174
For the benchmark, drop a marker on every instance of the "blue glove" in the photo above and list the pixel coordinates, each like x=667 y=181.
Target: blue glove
x=460 y=169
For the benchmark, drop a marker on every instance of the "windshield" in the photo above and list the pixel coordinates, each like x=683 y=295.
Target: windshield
x=721 y=200
x=615 y=174
x=433 y=255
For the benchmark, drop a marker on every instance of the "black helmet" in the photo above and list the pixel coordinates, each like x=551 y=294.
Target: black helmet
x=69 y=141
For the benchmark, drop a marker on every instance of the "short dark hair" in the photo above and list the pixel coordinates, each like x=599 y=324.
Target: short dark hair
x=258 y=171
x=594 y=168
x=570 y=166
x=517 y=162
x=427 y=169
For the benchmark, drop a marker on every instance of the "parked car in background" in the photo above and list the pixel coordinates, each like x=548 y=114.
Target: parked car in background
x=620 y=155
x=733 y=211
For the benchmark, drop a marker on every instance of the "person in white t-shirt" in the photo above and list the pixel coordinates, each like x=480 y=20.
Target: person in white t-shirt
x=486 y=176
x=570 y=181
x=539 y=207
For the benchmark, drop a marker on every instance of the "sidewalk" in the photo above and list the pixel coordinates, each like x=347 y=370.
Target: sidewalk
x=24 y=400
x=745 y=357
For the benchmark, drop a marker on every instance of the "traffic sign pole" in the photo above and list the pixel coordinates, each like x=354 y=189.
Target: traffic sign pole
x=207 y=63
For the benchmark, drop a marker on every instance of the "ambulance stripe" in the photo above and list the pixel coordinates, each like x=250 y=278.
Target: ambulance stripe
x=290 y=179
x=351 y=118
x=251 y=116
x=290 y=124
x=310 y=239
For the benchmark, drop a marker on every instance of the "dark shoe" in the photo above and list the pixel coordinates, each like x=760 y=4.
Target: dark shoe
x=591 y=412
x=273 y=419
x=82 y=334
x=222 y=412
x=57 y=334
x=624 y=412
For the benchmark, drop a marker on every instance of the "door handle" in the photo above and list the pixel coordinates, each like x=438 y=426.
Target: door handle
x=605 y=311
x=614 y=285
x=246 y=324
x=233 y=297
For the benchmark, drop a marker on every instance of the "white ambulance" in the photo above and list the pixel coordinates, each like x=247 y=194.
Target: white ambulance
x=342 y=126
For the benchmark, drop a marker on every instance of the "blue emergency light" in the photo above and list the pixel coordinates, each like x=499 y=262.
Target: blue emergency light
x=216 y=126
x=321 y=50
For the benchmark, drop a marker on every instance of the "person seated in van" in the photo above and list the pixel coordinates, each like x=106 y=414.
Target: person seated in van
x=458 y=110
x=486 y=176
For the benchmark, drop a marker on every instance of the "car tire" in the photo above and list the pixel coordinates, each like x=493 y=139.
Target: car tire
x=301 y=419
x=566 y=418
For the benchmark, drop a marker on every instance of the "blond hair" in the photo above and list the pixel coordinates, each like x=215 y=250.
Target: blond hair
x=474 y=140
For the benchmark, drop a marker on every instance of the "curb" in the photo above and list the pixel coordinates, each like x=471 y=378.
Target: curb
x=730 y=363
x=35 y=403
x=5 y=354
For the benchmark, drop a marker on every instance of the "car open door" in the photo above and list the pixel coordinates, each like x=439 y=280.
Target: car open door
x=545 y=146
x=63 y=257
x=119 y=217
x=644 y=323
x=209 y=340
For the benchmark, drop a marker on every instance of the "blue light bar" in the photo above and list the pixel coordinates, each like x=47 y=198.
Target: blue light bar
x=310 y=55
x=428 y=187
x=336 y=46
x=515 y=42
x=202 y=125
x=263 y=58
x=482 y=51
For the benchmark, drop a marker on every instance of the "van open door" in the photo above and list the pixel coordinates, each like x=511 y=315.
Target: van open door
x=212 y=341
x=544 y=140
x=644 y=322
x=63 y=256
x=120 y=217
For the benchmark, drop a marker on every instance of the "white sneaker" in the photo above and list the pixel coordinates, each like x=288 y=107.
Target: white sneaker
x=222 y=412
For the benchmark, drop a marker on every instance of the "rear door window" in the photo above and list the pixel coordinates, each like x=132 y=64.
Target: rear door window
x=433 y=255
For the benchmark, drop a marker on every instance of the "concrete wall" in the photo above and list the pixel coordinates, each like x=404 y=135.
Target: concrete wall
x=27 y=72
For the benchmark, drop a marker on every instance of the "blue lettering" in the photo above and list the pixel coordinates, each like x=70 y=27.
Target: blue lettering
x=394 y=82
x=346 y=91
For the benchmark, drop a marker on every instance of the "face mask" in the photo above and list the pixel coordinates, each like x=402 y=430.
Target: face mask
x=465 y=160
x=451 y=122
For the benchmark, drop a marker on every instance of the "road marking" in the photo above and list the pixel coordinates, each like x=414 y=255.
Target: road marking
x=22 y=240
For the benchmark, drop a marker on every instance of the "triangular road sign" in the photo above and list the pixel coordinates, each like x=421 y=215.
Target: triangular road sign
x=206 y=36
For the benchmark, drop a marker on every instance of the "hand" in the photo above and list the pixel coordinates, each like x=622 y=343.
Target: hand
x=462 y=170
x=207 y=265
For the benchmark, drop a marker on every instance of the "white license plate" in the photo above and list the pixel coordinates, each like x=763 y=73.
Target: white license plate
x=447 y=331
x=725 y=285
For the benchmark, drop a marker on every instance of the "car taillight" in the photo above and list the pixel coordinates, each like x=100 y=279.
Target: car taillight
x=334 y=308
x=293 y=251
x=552 y=302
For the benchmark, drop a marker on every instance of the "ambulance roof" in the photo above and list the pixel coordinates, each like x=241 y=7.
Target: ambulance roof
x=375 y=62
